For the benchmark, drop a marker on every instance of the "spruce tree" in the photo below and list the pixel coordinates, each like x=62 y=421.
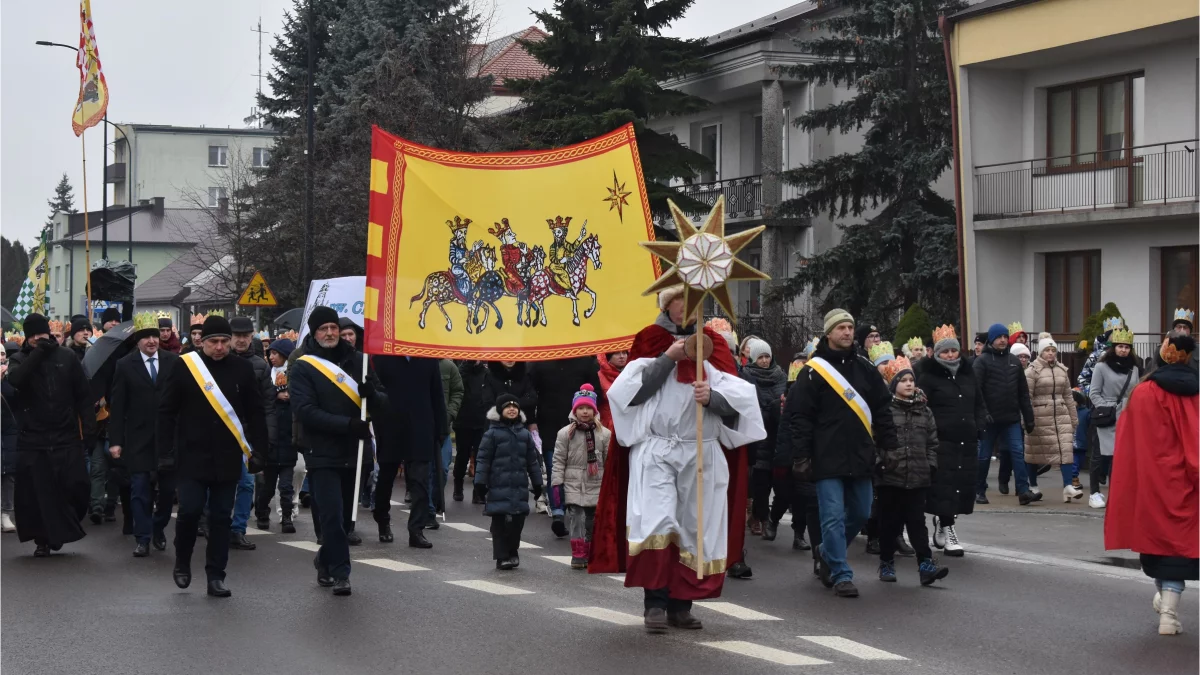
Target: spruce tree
x=63 y=201
x=890 y=52
x=914 y=323
x=607 y=59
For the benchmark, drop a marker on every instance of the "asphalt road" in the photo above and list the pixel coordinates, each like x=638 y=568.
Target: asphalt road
x=1031 y=596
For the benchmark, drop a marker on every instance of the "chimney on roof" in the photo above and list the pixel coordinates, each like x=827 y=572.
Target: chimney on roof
x=159 y=207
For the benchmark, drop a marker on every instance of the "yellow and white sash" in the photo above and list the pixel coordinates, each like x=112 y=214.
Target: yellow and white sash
x=216 y=398
x=847 y=391
x=336 y=375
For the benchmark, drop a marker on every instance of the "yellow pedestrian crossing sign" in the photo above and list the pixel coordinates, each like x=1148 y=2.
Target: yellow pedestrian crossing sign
x=257 y=293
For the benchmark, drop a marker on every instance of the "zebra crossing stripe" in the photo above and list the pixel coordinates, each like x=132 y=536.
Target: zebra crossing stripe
x=524 y=544
x=737 y=611
x=303 y=545
x=611 y=616
x=856 y=649
x=490 y=587
x=394 y=565
x=564 y=559
x=765 y=653
x=464 y=527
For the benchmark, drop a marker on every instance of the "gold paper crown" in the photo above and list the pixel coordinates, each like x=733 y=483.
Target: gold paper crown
x=1182 y=314
x=15 y=337
x=1121 y=336
x=196 y=319
x=1172 y=354
x=895 y=366
x=290 y=335
x=915 y=342
x=559 y=221
x=881 y=352
x=719 y=324
x=1015 y=327
x=56 y=326
x=144 y=321
x=216 y=312
x=458 y=224
x=1113 y=323
x=502 y=228
x=944 y=332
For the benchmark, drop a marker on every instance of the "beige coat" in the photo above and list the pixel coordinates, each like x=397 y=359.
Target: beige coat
x=1054 y=416
x=570 y=467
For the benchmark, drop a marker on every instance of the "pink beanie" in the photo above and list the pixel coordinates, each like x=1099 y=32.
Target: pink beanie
x=585 y=396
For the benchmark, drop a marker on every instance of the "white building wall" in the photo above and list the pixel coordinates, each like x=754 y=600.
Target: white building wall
x=174 y=165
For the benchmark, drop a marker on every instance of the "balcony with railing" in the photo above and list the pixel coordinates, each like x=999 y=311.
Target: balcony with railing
x=743 y=200
x=1122 y=178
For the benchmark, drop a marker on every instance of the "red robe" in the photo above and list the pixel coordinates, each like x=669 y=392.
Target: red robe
x=1152 y=499
x=511 y=257
x=608 y=375
x=609 y=545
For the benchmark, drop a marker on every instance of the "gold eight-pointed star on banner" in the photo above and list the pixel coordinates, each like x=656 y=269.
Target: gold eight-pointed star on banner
x=617 y=198
x=704 y=260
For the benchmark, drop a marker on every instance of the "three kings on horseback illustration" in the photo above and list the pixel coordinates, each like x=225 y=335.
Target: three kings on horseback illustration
x=525 y=273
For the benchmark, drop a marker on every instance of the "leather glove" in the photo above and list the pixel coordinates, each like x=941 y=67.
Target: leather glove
x=366 y=390
x=256 y=463
x=1029 y=427
x=359 y=429
x=47 y=344
x=537 y=492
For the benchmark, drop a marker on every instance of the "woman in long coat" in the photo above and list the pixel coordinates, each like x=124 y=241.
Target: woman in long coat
x=958 y=408
x=1113 y=378
x=1054 y=417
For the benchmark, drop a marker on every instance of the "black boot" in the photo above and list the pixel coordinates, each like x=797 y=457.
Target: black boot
x=740 y=570
x=41 y=551
x=385 y=533
x=341 y=587
x=324 y=580
x=902 y=547
x=770 y=529
x=182 y=574
x=239 y=541
x=799 y=543
x=458 y=489
x=285 y=524
x=216 y=588
x=872 y=547
x=263 y=524
x=353 y=538
x=476 y=497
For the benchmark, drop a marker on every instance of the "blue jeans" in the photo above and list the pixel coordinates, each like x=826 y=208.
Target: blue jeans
x=243 y=502
x=845 y=504
x=433 y=475
x=1013 y=437
x=143 y=507
x=1067 y=471
x=1167 y=585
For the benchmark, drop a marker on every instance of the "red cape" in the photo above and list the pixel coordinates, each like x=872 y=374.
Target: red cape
x=1152 y=500
x=608 y=375
x=609 y=545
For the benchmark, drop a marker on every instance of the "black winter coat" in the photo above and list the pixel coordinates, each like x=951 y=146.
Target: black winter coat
x=8 y=429
x=472 y=414
x=53 y=404
x=413 y=424
x=507 y=463
x=205 y=449
x=324 y=411
x=262 y=372
x=785 y=454
x=912 y=461
x=771 y=385
x=961 y=417
x=826 y=430
x=133 y=411
x=556 y=383
x=1002 y=381
x=515 y=381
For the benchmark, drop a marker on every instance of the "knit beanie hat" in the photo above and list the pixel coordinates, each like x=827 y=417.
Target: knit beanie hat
x=1020 y=349
x=861 y=333
x=585 y=396
x=35 y=324
x=284 y=346
x=165 y=322
x=996 y=330
x=110 y=314
x=320 y=316
x=945 y=338
x=835 y=317
x=78 y=325
x=215 y=326
x=666 y=295
x=758 y=348
x=1046 y=341
x=506 y=399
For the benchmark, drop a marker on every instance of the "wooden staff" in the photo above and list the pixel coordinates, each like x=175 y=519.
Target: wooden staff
x=699 y=447
x=87 y=246
x=361 y=443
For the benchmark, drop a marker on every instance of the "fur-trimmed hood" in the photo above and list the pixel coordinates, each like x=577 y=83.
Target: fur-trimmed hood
x=493 y=415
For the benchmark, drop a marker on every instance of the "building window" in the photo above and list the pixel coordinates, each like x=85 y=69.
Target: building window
x=218 y=155
x=215 y=195
x=262 y=158
x=1094 y=117
x=57 y=276
x=710 y=147
x=1072 y=290
x=1179 y=270
x=753 y=288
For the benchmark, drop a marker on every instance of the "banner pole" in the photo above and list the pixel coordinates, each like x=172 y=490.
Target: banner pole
x=87 y=249
x=361 y=443
x=700 y=448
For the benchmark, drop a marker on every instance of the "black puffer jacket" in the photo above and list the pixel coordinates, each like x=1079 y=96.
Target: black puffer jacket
x=506 y=464
x=1002 y=381
x=323 y=410
x=825 y=429
x=911 y=462
x=556 y=383
x=771 y=385
x=958 y=409
x=472 y=415
x=262 y=373
x=515 y=381
x=52 y=404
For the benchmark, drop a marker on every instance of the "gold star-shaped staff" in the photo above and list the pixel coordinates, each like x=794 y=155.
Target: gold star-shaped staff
x=705 y=260
x=617 y=198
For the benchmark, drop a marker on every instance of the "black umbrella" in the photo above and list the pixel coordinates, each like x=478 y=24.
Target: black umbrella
x=6 y=317
x=290 y=319
x=101 y=358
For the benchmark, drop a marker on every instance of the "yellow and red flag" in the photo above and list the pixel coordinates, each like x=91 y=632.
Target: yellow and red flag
x=507 y=256
x=93 y=88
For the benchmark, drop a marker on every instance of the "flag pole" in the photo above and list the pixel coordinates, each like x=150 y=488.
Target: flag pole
x=87 y=250
x=358 y=465
x=700 y=447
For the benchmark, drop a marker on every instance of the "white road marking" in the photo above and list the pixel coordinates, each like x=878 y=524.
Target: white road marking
x=765 y=653
x=524 y=544
x=737 y=611
x=619 y=618
x=251 y=531
x=394 y=565
x=564 y=559
x=393 y=502
x=464 y=527
x=490 y=587
x=852 y=648
x=616 y=577
x=305 y=545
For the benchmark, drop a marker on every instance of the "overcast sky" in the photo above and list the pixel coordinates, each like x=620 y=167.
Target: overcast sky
x=179 y=63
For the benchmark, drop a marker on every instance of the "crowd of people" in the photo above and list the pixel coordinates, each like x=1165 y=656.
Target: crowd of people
x=852 y=437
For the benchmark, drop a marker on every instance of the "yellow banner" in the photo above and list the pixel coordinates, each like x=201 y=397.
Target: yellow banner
x=521 y=256
x=93 y=88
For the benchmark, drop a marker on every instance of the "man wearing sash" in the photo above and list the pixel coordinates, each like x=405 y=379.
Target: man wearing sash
x=837 y=411
x=212 y=404
x=326 y=385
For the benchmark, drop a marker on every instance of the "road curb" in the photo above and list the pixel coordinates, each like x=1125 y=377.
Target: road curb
x=1047 y=512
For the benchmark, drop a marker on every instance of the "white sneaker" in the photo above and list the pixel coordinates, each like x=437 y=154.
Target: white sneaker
x=1071 y=492
x=6 y=523
x=939 y=533
x=1034 y=489
x=953 y=549
x=1096 y=501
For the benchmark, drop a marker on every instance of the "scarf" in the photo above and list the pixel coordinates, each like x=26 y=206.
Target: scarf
x=1120 y=364
x=951 y=366
x=589 y=435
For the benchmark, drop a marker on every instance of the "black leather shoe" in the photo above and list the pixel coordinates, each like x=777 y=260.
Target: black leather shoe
x=872 y=547
x=418 y=541
x=504 y=564
x=42 y=551
x=800 y=544
x=263 y=524
x=740 y=570
x=385 y=533
x=341 y=587
x=286 y=525
x=433 y=524
x=216 y=588
x=202 y=529
x=1003 y=488
x=684 y=619
x=182 y=575
x=320 y=540
x=159 y=542
x=141 y=550
x=353 y=538
x=770 y=530
x=559 y=527
x=240 y=542
x=656 y=620
x=324 y=580
x=97 y=517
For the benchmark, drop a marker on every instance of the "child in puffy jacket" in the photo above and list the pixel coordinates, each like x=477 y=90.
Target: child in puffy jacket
x=578 y=469
x=904 y=474
x=507 y=464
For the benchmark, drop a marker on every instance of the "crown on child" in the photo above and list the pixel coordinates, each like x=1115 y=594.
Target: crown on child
x=896 y=366
x=56 y=326
x=881 y=353
x=1113 y=323
x=914 y=342
x=1121 y=336
x=1015 y=327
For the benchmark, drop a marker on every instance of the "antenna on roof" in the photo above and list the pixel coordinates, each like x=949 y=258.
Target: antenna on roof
x=255 y=118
